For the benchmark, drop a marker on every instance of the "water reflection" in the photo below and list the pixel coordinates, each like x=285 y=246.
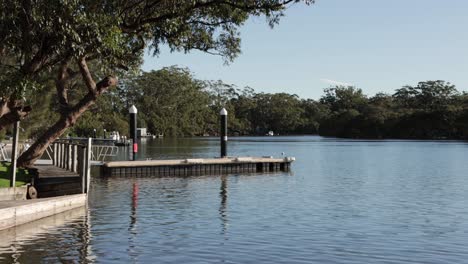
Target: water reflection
x=86 y=255
x=133 y=214
x=223 y=194
x=348 y=202
x=133 y=232
x=68 y=231
x=168 y=148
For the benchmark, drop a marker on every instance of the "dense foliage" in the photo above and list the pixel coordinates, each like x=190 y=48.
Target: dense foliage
x=172 y=102
x=429 y=110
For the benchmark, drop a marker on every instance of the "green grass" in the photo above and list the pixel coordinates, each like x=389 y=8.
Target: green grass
x=22 y=175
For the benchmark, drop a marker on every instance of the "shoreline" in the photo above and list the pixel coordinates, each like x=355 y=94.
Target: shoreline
x=321 y=136
x=18 y=212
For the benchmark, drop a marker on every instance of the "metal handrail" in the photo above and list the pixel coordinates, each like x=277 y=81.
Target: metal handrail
x=3 y=152
x=103 y=151
x=99 y=151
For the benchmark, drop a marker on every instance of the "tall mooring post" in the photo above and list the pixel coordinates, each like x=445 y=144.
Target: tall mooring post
x=14 y=154
x=223 y=132
x=133 y=130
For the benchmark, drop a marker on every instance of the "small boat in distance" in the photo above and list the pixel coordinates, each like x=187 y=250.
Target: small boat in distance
x=114 y=135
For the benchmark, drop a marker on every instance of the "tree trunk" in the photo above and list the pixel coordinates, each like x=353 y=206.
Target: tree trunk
x=11 y=112
x=67 y=119
x=69 y=114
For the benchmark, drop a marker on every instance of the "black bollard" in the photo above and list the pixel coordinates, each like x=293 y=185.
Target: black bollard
x=223 y=132
x=133 y=129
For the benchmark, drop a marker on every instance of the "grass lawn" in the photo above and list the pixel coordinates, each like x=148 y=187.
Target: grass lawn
x=22 y=176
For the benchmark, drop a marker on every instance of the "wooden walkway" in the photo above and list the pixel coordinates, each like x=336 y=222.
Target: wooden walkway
x=68 y=171
x=50 y=181
x=51 y=171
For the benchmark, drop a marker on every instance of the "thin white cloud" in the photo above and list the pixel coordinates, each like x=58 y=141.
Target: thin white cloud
x=335 y=83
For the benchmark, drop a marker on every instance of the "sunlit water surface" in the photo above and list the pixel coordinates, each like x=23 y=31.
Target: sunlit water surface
x=344 y=201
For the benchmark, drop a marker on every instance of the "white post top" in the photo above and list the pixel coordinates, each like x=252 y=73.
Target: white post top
x=223 y=112
x=133 y=110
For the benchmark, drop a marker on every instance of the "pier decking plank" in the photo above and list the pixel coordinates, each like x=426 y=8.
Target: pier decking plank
x=51 y=171
x=53 y=181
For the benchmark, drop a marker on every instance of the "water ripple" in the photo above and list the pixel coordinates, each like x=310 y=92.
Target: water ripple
x=345 y=202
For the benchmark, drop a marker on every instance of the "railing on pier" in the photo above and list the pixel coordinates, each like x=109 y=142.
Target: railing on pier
x=103 y=152
x=3 y=152
x=74 y=157
x=101 y=149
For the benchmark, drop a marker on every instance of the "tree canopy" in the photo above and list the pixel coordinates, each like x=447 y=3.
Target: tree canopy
x=173 y=102
x=39 y=36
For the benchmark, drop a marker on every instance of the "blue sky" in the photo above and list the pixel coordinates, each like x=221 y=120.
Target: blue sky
x=375 y=45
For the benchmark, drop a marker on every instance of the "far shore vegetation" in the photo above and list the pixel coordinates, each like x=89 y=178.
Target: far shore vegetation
x=172 y=102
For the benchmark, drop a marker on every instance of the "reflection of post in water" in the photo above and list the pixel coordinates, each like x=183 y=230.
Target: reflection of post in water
x=85 y=236
x=222 y=208
x=134 y=206
x=132 y=228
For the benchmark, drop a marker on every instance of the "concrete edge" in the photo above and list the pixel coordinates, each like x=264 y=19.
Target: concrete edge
x=31 y=230
x=32 y=210
x=13 y=193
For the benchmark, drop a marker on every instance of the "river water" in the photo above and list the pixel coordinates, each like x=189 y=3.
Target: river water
x=345 y=201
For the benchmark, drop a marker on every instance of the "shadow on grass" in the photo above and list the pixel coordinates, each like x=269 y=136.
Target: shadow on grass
x=22 y=175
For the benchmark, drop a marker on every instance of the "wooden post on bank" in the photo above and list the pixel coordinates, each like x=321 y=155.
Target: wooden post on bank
x=88 y=163
x=14 y=154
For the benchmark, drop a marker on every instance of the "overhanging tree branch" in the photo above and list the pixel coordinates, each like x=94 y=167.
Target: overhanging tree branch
x=144 y=19
x=11 y=112
x=61 y=84
x=86 y=74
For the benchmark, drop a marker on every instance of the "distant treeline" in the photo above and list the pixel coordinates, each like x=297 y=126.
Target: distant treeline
x=174 y=103
x=429 y=110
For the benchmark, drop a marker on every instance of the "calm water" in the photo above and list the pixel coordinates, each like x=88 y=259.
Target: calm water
x=343 y=202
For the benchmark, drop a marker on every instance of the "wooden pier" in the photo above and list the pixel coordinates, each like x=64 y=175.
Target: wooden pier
x=67 y=173
x=196 y=167
x=62 y=184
